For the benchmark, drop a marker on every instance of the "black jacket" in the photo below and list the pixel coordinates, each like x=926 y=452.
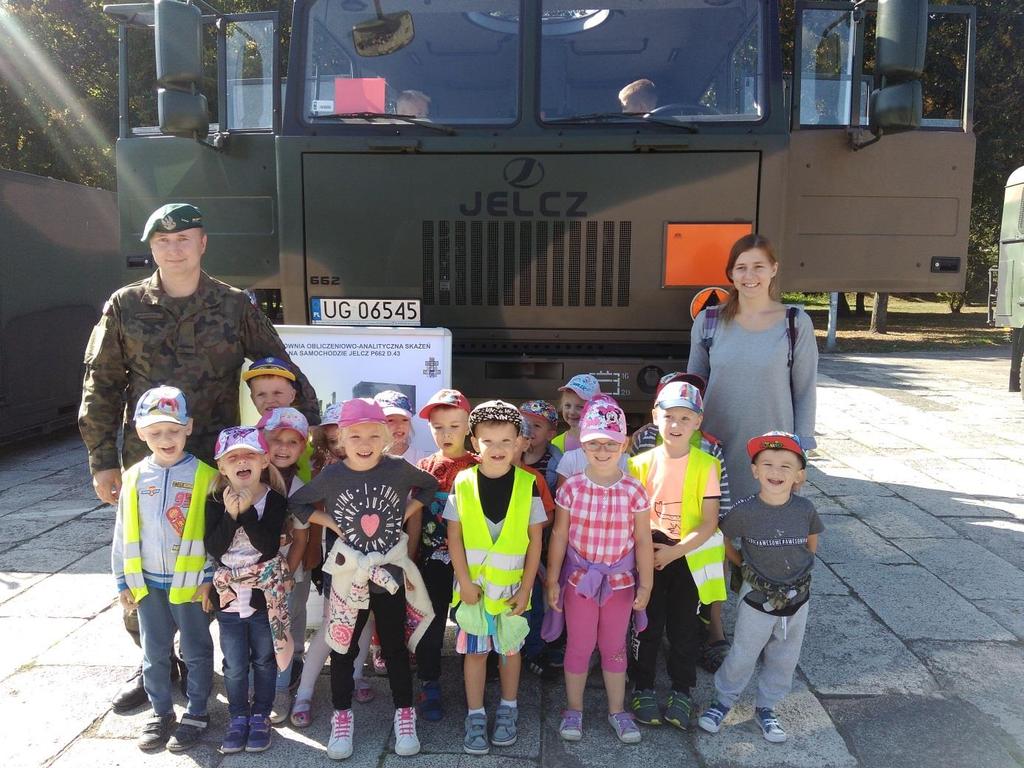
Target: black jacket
x=264 y=533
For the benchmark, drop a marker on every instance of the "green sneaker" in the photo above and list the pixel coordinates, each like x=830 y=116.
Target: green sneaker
x=645 y=707
x=679 y=710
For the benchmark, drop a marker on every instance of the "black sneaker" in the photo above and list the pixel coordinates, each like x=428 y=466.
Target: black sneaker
x=189 y=731
x=131 y=695
x=155 y=732
x=539 y=666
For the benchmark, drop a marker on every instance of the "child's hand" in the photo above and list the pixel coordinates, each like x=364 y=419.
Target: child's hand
x=643 y=594
x=202 y=595
x=237 y=502
x=127 y=600
x=665 y=554
x=553 y=594
x=470 y=594
x=519 y=601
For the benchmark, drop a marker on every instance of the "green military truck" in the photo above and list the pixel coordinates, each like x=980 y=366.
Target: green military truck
x=1008 y=308
x=471 y=164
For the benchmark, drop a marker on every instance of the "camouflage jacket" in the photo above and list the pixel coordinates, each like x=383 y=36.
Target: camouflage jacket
x=145 y=338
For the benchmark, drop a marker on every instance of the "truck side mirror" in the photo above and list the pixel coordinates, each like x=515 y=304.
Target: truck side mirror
x=901 y=38
x=896 y=108
x=183 y=110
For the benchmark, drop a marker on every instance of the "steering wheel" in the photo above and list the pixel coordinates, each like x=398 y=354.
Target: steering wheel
x=680 y=110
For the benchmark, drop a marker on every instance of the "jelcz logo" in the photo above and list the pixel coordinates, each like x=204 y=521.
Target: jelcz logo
x=523 y=173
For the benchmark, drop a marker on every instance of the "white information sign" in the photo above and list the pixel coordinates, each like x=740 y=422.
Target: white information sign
x=342 y=362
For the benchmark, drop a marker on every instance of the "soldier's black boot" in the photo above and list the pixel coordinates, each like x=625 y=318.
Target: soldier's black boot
x=131 y=695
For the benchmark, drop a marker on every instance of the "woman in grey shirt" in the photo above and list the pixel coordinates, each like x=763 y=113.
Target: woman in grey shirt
x=759 y=358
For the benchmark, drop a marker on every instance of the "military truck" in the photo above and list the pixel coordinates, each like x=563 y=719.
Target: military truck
x=59 y=265
x=471 y=165
x=1007 y=311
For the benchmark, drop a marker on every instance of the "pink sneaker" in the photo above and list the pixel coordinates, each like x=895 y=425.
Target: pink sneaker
x=364 y=692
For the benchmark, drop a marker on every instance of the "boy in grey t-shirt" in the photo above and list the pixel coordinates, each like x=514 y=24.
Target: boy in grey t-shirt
x=779 y=533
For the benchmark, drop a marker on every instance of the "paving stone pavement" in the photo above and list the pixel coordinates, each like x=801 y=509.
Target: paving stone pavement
x=913 y=655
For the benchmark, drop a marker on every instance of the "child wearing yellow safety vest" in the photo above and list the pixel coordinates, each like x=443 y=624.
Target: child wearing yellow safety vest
x=495 y=516
x=159 y=561
x=683 y=483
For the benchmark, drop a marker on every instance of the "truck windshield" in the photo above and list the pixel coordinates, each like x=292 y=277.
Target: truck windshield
x=450 y=61
x=686 y=60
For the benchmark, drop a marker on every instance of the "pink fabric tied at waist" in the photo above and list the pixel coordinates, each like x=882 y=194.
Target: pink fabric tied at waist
x=593 y=584
x=273 y=579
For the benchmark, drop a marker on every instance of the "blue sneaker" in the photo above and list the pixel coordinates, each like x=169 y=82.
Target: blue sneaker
x=236 y=735
x=712 y=717
x=259 y=734
x=429 y=704
x=770 y=728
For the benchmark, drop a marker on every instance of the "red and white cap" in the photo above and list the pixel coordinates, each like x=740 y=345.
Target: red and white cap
x=450 y=398
x=776 y=441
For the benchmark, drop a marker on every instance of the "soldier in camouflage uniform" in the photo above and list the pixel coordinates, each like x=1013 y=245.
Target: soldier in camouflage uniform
x=178 y=327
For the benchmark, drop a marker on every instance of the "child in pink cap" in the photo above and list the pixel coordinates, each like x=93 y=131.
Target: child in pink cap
x=366 y=501
x=600 y=567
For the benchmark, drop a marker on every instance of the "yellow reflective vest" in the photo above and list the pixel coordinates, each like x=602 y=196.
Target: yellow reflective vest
x=559 y=441
x=191 y=559
x=496 y=566
x=706 y=561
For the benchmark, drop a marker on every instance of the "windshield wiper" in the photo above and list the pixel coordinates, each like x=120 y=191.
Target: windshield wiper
x=601 y=117
x=372 y=117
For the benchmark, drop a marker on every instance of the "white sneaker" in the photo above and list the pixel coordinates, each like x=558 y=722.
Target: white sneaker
x=339 y=746
x=282 y=706
x=406 y=741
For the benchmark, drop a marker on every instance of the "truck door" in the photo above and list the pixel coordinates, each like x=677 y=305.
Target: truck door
x=895 y=215
x=234 y=184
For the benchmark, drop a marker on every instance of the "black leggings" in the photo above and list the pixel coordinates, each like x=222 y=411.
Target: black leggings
x=672 y=610
x=438 y=577
x=389 y=615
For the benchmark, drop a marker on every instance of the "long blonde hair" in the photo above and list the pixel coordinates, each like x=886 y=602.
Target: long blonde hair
x=746 y=243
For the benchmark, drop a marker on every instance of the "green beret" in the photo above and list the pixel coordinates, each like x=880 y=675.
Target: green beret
x=173 y=217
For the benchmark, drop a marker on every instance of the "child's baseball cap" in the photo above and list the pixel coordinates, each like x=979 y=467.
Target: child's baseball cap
x=269 y=366
x=394 y=403
x=496 y=410
x=540 y=410
x=161 y=404
x=603 y=419
x=284 y=418
x=239 y=439
x=361 y=410
x=776 y=441
x=332 y=414
x=450 y=398
x=689 y=378
x=680 y=394
x=583 y=384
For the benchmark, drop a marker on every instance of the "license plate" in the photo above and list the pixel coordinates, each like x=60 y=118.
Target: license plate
x=332 y=311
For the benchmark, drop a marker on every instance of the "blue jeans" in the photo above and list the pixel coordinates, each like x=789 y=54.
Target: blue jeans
x=297 y=600
x=159 y=618
x=245 y=641
x=535 y=617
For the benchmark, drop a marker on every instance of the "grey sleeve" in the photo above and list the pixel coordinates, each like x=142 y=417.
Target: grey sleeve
x=301 y=502
x=425 y=483
x=814 y=524
x=804 y=380
x=731 y=525
x=117 y=546
x=699 y=362
x=450 y=512
x=537 y=513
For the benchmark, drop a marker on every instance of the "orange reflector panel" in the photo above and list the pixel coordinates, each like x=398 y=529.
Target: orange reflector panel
x=695 y=254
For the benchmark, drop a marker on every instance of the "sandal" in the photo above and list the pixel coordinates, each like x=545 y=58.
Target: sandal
x=301 y=715
x=713 y=654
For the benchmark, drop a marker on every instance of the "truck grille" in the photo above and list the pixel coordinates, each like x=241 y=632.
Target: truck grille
x=525 y=263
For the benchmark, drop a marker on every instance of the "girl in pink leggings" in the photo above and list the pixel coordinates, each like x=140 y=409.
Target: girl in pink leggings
x=600 y=568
